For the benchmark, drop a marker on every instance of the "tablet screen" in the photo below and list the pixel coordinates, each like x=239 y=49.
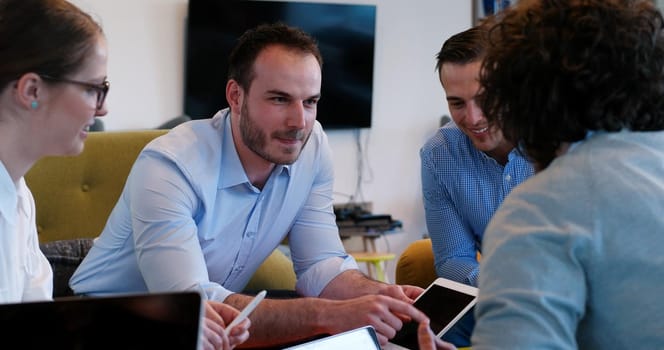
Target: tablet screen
x=442 y=305
x=357 y=339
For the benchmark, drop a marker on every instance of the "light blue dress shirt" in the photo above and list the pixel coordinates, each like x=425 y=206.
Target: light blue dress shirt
x=189 y=218
x=462 y=187
x=573 y=258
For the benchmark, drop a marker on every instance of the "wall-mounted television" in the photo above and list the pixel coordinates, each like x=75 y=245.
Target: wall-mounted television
x=345 y=34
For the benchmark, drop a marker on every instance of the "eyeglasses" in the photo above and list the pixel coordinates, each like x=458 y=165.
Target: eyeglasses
x=101 y=89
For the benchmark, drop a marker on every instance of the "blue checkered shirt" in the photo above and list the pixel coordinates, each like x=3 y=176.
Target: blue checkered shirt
x=462 y=188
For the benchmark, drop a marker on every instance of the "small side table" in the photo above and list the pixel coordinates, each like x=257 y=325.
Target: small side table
x=370 y=227
x=374 y=262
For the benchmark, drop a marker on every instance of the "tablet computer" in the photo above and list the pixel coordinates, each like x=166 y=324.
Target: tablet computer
x=444 y=302
x=363 y=338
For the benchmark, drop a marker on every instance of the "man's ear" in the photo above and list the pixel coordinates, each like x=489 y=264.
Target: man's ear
x=28 y=90
x=234 y=95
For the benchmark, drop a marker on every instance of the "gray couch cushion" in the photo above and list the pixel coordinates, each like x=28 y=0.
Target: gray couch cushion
x=65 y=256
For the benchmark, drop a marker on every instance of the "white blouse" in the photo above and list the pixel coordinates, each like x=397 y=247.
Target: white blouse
x=25 y=273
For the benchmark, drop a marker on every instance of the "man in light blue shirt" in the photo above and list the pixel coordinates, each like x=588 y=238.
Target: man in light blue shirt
x=205 y=204
x=468 y=168
x=572 y=258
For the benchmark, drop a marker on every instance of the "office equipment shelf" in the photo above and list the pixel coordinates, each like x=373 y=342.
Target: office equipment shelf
x=370 y=227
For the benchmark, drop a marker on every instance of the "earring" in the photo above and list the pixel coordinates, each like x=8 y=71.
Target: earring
x=34 y=104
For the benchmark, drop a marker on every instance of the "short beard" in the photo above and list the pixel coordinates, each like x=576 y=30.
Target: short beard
x=256 y=139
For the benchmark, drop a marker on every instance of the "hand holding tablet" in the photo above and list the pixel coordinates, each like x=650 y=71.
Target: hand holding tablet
x=444 y=302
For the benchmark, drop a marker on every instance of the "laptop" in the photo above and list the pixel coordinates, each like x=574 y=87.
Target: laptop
x=134 y=321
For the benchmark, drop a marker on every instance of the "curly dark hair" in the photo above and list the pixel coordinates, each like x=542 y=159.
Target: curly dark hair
x=556 y=69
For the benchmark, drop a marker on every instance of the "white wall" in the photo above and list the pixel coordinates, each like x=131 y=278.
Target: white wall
x=146 y=73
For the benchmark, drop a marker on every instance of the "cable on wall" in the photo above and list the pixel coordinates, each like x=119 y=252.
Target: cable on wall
x=364 y=172
x=362 y=165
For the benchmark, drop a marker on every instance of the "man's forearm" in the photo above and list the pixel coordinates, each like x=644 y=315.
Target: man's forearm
x=281 y=321
x=338 y=288
x=349 y=301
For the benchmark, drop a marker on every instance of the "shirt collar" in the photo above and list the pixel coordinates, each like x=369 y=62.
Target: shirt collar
x=231 y=171
x=514 y=153
x=589 y=134
x=8 y=195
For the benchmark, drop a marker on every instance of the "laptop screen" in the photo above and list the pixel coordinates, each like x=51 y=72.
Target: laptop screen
x=160 y=320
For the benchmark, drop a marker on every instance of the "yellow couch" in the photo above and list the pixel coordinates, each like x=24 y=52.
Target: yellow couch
x=75 y=195
x=415 y=264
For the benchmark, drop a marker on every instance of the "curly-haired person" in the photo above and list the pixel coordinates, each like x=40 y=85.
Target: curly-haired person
x=571 y=258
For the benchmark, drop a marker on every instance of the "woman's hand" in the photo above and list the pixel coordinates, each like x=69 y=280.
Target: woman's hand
x=215 y=335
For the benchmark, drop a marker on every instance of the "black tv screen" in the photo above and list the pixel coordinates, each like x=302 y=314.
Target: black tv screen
x=345 y=35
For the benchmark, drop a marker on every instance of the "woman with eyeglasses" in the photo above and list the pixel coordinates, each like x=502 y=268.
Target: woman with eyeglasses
x=53 y=84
